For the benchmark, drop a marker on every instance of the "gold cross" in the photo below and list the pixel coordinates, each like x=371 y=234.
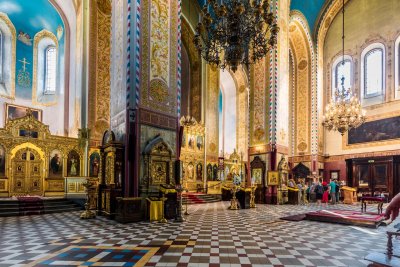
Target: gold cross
x=24 y=62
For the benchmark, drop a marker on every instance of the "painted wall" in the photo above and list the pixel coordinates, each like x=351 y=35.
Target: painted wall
x=366 y=22
x=29 y=18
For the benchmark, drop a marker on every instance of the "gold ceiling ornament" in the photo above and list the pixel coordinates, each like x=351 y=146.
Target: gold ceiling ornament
x=188 y=121
x=344 y=111
x=234 y=32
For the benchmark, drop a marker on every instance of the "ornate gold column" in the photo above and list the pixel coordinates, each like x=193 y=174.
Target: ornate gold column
x=99 y=67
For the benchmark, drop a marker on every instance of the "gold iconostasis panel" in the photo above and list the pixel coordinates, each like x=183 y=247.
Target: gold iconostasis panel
x=34 y=162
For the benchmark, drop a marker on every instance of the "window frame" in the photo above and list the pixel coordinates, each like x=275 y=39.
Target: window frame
x=334 y=69
x=45 y=84
x=365 y=65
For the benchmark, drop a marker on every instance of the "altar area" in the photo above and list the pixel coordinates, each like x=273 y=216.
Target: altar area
x=33 y=162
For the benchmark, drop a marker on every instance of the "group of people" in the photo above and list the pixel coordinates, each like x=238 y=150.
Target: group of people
x=324 y=192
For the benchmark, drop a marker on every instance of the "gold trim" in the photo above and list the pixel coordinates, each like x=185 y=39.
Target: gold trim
x=10 y=25
x=346 y=146
x=38 y=37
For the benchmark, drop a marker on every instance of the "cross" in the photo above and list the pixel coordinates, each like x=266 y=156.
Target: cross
x=24 y=62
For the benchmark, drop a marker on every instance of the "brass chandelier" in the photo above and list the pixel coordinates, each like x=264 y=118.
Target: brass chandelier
x=344 y=111
x=234 y=32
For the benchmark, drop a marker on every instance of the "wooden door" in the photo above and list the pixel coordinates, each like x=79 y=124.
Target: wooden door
x=27 y=168
x=379 y=177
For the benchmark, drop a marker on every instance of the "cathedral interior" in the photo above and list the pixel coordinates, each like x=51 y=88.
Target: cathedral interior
x=199 y=133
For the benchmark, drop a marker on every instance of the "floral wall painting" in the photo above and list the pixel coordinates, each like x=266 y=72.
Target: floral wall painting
x=56 y=164
x=94 y=161
x=73 y=164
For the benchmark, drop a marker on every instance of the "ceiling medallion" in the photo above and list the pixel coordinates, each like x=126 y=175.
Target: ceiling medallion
x=234 y=32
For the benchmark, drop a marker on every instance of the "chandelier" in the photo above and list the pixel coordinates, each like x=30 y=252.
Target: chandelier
x=344 y=111
x=234 y=32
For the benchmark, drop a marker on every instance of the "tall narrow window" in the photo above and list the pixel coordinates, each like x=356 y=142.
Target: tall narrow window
x=51 y=70
x=1 y=57
x=373 y=73
x=343 y=70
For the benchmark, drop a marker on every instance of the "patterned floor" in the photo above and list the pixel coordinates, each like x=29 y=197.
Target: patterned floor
x=211 y=236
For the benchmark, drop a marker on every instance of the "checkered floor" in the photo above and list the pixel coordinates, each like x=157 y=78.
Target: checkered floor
x=211 y=236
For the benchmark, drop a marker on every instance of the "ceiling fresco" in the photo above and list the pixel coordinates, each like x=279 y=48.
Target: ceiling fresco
x=30 y=17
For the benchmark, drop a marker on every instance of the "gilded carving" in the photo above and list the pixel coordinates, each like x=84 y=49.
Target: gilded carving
x=28 y=149
x=259 y=84
x=302 y=87
x=195 y=70
x=212 y=111
x=100 y=58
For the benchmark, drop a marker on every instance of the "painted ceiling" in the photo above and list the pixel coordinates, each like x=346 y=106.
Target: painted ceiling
x=310 y=9
x=30 y=17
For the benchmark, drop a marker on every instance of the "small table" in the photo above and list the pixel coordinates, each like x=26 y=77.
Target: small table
x=369 y=199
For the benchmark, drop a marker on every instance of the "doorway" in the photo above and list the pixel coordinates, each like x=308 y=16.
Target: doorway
x=27 y=170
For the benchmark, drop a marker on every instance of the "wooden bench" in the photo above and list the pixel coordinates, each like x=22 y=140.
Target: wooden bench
x=369 y=199
x=385 y=259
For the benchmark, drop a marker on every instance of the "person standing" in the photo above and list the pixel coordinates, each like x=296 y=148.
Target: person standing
x=319 y=191
x=333 y=186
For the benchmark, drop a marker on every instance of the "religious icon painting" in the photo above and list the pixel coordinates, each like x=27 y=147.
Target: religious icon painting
x=15 y=112
x=191 y=142
x=209 y=172
x=73 y=164
x=55 y=166
x=94 y=161
x=183 y=140
x=199 y=172
x=199 y=142
x=2 y=161
x=273 y=178
x=256 y=175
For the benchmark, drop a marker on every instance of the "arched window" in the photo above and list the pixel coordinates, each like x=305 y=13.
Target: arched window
x=1 y=57
x=397 y=68
x=50 y=70
x=7 y=56
x=373 y=73
x=342 y=68
x=45 y=68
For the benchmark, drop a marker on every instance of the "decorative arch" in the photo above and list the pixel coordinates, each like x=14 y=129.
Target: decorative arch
x=302 y=54
x=41 y=42
x=8 y=43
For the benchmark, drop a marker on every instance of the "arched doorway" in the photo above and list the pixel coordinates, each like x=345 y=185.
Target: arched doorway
x=27 y=172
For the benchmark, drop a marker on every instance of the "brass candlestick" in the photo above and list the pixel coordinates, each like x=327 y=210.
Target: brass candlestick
x=234 y=204
x=88 y=214
x=186 y=208
x=253 y=197
x=163 y=220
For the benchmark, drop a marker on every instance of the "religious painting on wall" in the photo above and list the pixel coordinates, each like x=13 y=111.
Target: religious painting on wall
x=199 y=172
x=55 y=166
x=199 y=142
x=2 y=161
x=256 y=175
x=209 y=172
x=15 y=112
x=191 y=142
x=273 y=178
x=94 y=161
x=190 y=171
x=375 y=131
x=215 y=172
x=73 y=164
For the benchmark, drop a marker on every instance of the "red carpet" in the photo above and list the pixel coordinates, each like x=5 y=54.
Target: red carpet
x=193 y=198
x=367 y=219
x=30 y=205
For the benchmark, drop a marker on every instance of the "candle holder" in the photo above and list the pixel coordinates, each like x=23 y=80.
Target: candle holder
x=186 y=204
x=253 y=196
x=234 y=204
x=88 y=214
x=163 y=220
x=179 y=217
